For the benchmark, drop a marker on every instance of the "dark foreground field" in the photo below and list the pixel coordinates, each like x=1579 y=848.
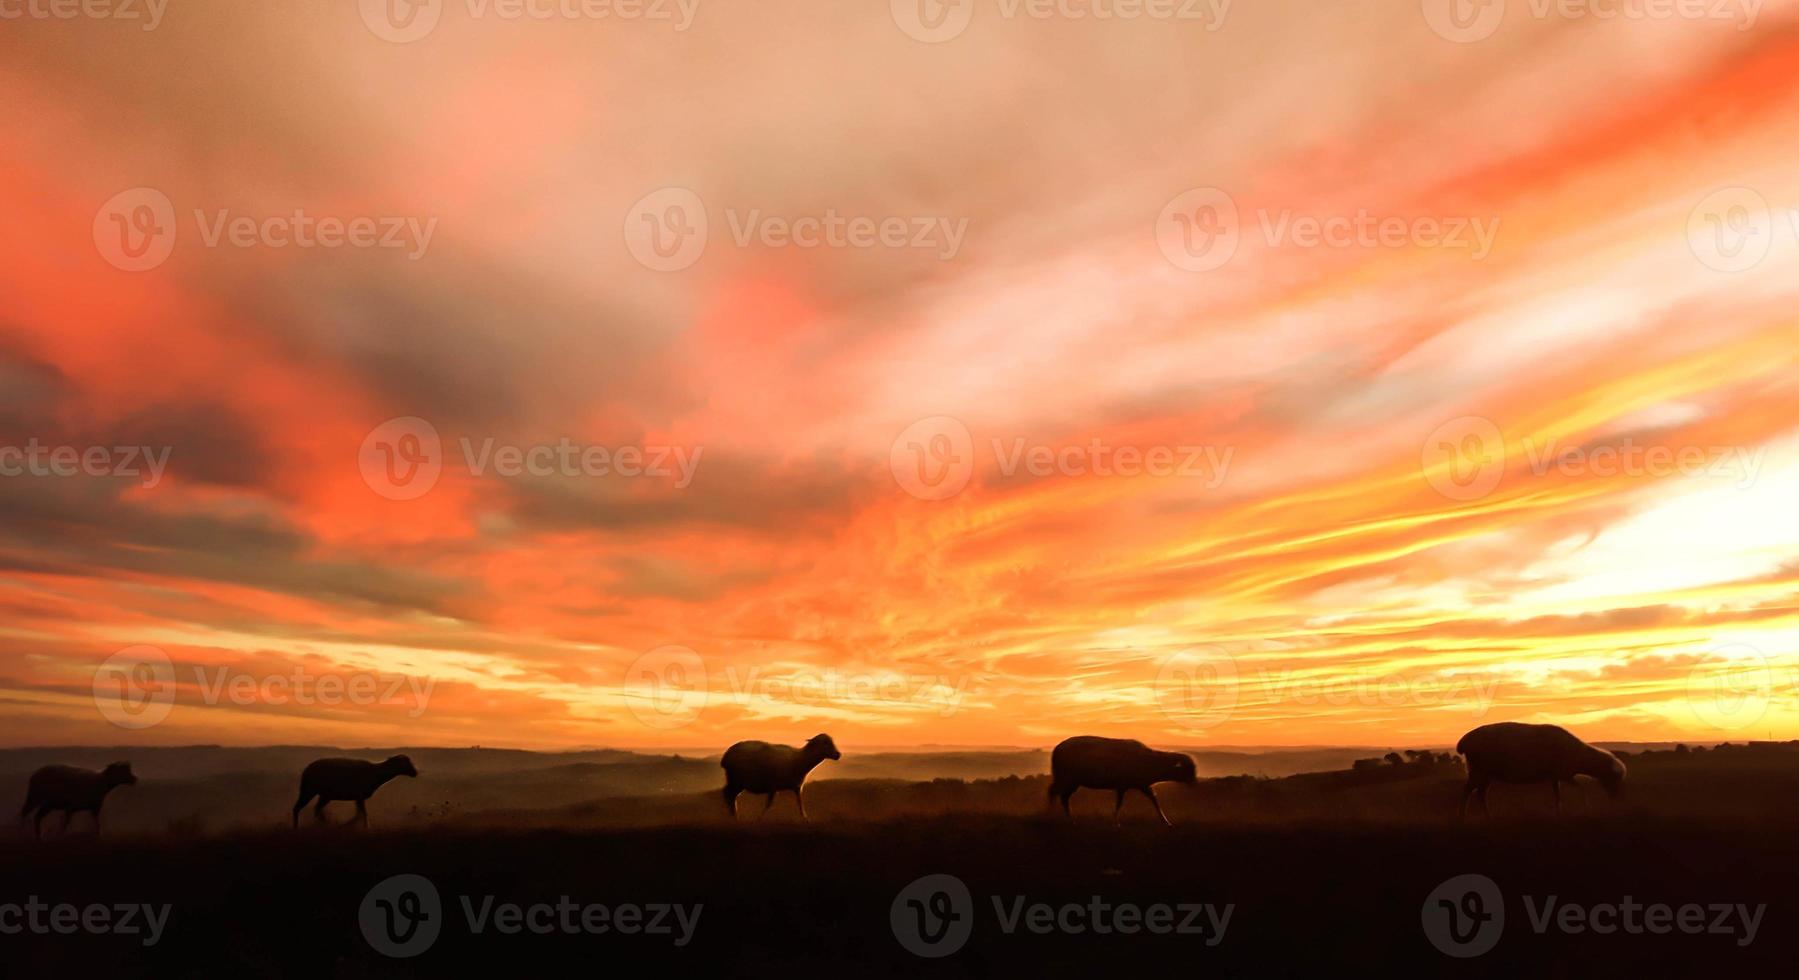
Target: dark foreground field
x=1322 y=874
x=795 y=901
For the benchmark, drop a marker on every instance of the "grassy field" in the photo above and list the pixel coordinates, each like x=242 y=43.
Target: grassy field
x=1321 y=872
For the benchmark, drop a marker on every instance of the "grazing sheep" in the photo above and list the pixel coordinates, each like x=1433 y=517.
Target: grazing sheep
x=1118 y=764
x=1511 y=752
x=347 y=779
x=72 y=790
x=769 y=769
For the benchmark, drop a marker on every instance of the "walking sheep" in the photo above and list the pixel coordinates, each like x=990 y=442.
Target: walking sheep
x=1512 y=752
x=769 y=769
x=347 y=779
x=1117 y=764
x=71 y=790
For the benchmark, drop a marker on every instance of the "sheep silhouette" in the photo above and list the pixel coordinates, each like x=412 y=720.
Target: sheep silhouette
x=72 y=791
x=1514 y=752
x=1117 y=764
x=347 y=779
x=759 y=767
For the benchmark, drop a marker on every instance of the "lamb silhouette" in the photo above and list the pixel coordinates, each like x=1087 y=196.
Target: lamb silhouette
x=1513 y=752
x=1117 y=764
x=759 y=767
x=347 y=779
x=72 y=791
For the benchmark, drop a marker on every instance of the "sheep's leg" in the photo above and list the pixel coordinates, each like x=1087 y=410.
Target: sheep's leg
x=731 y=798
x=1557 y=785
x=68 y=817
x=1150 y=791
x=318 y=811
x=362 y=813
x=1468 y=791
x=37 y=824
x=1065 y=811
x=801 y=800
x=768 y=802
x=1117 y=807
x=305 y=798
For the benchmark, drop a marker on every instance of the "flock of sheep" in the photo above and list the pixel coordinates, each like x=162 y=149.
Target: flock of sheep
x=1507 y=752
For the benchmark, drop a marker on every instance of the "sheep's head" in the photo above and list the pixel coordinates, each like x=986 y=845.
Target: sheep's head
x=118 y=774
x=822 y=746
x=400 y=765
x=1181 y=769
x=1612 y=778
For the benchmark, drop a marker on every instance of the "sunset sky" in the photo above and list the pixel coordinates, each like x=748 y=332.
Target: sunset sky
x=1518 y=439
